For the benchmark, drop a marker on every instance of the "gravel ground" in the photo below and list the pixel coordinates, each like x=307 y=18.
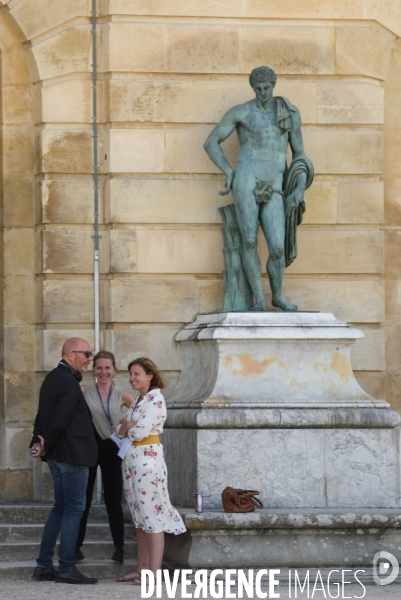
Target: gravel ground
x=106 y=589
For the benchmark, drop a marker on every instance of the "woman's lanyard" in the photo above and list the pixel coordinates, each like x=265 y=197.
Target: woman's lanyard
x=136 y=404
x=108 y=404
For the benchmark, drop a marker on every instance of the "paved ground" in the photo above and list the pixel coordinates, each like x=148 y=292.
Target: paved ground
x=26 y=589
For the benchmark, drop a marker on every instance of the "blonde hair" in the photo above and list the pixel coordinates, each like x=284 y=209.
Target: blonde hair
x=105 y=354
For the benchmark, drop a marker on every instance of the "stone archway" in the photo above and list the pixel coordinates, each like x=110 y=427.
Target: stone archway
x=17 y=246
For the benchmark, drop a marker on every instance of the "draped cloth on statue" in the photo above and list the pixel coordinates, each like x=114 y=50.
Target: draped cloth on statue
x=284 y=111
x=293 y=212
x=302 y=164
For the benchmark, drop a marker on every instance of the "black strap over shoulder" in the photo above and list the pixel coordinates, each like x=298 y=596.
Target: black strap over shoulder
x=76 y=374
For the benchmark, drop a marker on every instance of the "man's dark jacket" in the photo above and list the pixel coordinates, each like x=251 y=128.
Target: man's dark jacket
x=64 y=419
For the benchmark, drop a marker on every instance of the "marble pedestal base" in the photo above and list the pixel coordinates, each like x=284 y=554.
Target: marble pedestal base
x=268 y=360
x=292 y=468
x=269 y=401
x=342 y=539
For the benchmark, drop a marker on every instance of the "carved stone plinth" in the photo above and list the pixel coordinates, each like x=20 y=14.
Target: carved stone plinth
x=290 y=366
x=269 y=401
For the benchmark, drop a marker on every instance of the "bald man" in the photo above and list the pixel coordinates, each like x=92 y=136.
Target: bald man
x=64 y=437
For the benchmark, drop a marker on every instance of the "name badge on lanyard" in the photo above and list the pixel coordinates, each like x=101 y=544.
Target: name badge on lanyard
x=107 y=413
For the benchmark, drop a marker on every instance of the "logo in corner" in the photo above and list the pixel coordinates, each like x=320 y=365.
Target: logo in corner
x=385 y=568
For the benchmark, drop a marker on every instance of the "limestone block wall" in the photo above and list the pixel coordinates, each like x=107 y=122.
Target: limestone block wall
x=167 y=73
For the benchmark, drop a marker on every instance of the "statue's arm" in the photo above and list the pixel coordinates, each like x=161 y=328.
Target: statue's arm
x=297 y=147
x=213 y=149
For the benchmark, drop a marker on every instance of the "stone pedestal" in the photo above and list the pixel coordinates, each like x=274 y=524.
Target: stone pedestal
x=268 y=401
x=311 y=539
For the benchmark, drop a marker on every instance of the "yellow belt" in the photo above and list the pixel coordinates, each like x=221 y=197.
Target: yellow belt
x=151 y=439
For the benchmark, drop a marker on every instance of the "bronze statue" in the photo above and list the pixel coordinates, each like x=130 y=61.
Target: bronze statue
x=264 y=188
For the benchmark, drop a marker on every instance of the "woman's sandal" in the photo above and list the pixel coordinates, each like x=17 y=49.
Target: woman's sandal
x=126 y=579
x=136 y=581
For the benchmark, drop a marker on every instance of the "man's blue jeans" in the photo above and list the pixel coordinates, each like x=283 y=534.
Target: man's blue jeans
x=69 y=494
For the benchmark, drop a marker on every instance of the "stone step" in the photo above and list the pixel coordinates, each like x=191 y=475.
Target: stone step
x=38 y=513
x=32 y=532
x=21 y=551
x=102 y=569
x=21 y=527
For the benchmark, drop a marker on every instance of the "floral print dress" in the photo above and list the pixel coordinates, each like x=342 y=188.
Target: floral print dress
x=145 y=471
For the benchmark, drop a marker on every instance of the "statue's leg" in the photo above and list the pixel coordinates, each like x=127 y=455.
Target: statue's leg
x=247 y=212
x=272 y=220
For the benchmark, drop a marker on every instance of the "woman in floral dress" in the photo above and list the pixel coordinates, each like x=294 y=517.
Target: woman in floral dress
x=145 y=471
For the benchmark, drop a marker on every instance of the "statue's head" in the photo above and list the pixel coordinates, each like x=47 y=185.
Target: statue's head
x=262 y=74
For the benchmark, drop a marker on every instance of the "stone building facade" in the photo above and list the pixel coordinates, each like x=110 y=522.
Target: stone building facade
x=168 y=70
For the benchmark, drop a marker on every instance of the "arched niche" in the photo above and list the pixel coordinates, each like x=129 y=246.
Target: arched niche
x=17 y=249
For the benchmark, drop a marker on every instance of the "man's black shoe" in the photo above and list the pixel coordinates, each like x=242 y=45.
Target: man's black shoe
x=74 y=576
x=118 y=556
x=78 y=554
x=44 y=574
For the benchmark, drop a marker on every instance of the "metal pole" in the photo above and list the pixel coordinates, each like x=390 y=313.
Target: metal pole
x=95 y=182
x=96 y=213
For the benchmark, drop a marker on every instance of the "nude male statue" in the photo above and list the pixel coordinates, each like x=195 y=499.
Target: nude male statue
x=263 y=188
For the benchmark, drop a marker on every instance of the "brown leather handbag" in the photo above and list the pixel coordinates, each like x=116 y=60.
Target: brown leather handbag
x=240 y=501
